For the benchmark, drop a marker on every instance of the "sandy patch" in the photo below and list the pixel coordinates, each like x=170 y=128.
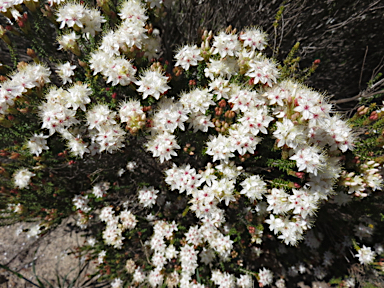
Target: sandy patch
x=50 y=254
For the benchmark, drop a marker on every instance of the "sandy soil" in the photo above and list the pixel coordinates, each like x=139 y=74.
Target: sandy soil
x=50 y=253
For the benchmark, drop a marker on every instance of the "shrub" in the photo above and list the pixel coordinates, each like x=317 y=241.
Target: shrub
x=211 y=170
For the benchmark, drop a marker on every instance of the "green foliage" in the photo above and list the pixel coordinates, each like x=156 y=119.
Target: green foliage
x=282 y=164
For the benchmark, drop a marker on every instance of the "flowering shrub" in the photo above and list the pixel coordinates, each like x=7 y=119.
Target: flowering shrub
x=212 y=173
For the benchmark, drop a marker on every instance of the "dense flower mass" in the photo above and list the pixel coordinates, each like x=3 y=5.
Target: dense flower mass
x=197 y=172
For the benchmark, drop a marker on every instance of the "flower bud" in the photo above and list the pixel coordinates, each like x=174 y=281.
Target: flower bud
x=229 y=29
x=81 y=63
x=360 y=108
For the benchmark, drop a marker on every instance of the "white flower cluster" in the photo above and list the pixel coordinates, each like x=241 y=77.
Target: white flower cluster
x=188 y=56
x=130 y=34
x=226 y=280
x=148 y=196
x=226 y=45
x=65 y=71
x=112 y=234
x=56 y=113
x=169 y=116
x=254 y=38
x=76 y=16
x=297 y=117
x=81 y=203
x=370 y=177
x=116 y=69
x=152 y=83
x=100 y=189
x=106 y=134
x=162 y=253
x=28 y=77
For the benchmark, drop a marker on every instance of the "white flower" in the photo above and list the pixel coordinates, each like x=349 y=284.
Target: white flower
x=379 y=248
x=220 y=87
x=68 y=42
x=155 y=277
x=133 y=10
x=34 y=231
x=110 y=44
x=71 y=15
x=100 y=61
x=132 y=112
x=200 y=122
x=188 y=56
x=197 y=100
x=171 y=252
x=220 y=148
x=163 y=146
x=100 y=189
x=226 y=44
x=91 y=241
x=65 y=71
x=78 y=96
x=288 y=134
x=254 y=38
x=128 y=220
x=101 y=256
x=131 y=166
x=253 y=187
x=265 y=277
x=37 y=143
x=22 y=178
x=100 y=116
x=275 y=224
x=225 y=67
x=81 y=203
x=119 y=71
x=117 y=283
x=78 y=146
x=107 y=214
x=245 y=281
x=154 y=3
x=92 y=22
x=139 y=275
x=263 y=71
x=170 y=115
x=309 y=159
x=153 y=84
x=152 y=46
x=147 y=196
x=365 y=255
x=280 y=283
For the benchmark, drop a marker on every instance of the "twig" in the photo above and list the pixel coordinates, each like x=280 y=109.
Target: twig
x=361 y=94
x=145 y=252
x=352 y=18
x=362 y=67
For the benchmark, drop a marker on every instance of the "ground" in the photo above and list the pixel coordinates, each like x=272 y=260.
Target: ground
x=51 y=255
